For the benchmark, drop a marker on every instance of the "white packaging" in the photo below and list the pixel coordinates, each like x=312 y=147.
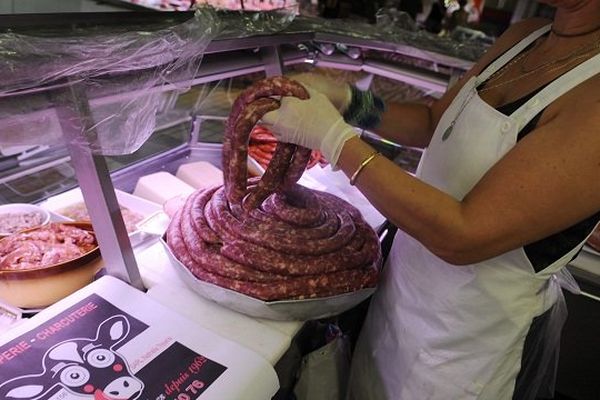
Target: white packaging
x=160 y=187
x=200 y=175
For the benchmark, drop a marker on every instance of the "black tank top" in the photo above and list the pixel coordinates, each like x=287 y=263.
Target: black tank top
x=544 y=252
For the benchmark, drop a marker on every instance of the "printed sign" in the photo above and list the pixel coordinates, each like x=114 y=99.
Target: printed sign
x=94 y=350
x=184 y=375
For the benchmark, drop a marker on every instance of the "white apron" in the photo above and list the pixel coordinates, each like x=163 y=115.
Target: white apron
x=438 y=331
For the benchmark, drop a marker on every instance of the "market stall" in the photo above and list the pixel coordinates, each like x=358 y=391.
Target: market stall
x=99 y=88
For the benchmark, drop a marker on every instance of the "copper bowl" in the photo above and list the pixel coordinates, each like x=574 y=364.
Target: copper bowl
x=40 y=287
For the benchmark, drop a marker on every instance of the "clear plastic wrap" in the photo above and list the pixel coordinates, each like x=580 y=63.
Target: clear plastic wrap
x=107 y=83
x=113 y=77
x=243 y=24
x=539 y=364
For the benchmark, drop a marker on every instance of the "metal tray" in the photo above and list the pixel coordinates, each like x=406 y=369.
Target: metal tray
x=284 y=310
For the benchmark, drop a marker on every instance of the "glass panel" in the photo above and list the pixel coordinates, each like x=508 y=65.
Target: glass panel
x=158 y=142
x=49 y=172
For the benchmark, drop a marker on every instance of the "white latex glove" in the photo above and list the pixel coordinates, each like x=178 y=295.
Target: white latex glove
x=314 y=123
x=340 y=95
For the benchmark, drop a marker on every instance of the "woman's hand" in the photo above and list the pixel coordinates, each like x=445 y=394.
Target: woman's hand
x=339 y=94
x=313 y=123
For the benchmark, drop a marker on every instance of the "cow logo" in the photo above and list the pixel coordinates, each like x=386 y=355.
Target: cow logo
x=81 y=368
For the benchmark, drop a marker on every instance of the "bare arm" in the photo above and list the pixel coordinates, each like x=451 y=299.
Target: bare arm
x=408 y=124
x=546 y=183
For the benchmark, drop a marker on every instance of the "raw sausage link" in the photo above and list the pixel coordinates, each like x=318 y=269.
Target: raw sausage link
x=297 y=167
x=310 y=214
x=198 y=201
x=209 y=258
x=309 y=286
x=355 y=254
x=234 y=165
x=273 y=176
x=247 y=109
x=259 y=231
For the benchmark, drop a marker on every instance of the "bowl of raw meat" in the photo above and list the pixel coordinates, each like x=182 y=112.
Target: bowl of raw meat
x=17 y=217
x=39 y=266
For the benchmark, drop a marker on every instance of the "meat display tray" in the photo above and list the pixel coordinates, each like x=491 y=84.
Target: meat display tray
x=283 y=310
x=136 y=204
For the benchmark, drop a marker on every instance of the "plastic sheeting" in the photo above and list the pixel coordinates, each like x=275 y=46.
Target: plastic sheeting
x=248 y=23
x=102 y=86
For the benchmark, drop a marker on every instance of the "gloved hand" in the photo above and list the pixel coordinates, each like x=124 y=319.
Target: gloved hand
x=359 y=108
x=340 y=95
x=314 y=123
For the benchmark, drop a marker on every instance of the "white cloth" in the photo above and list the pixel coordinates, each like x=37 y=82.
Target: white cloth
x=437 y=331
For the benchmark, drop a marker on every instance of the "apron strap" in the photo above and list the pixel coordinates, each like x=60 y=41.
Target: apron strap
x=554 y=90
x=512 y=53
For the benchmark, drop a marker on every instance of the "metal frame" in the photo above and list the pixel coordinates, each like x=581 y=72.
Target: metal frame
x=398 y=48
x=94 y=179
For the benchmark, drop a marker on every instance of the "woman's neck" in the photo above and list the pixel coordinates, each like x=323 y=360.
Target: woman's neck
x=580 y=19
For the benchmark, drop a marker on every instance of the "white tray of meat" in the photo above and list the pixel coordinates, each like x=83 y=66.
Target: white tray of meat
x=282 y=310
x=70 y=205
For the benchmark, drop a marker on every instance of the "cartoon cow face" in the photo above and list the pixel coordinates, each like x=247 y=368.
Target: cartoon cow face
x=86 y=368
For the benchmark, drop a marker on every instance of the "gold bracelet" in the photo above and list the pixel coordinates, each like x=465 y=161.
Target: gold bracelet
x=362 y=166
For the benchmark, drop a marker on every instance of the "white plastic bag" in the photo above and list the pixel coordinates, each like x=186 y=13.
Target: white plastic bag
x=323 y=373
